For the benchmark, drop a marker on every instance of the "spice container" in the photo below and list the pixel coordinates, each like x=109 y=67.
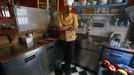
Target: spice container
x=83 y=2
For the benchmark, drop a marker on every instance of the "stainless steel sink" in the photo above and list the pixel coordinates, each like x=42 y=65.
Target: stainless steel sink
x=91 y=43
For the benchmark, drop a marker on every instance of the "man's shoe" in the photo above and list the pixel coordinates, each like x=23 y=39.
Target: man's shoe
x=67 y=73
x=58 y=72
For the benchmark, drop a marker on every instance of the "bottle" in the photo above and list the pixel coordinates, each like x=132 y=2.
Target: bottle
x=128 y=23
x=112 y=43
x=83 y=2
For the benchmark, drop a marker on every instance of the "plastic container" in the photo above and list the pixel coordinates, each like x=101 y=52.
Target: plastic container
x=116 y=56
x=103 y=1
x=94 y=2
x=83 y=2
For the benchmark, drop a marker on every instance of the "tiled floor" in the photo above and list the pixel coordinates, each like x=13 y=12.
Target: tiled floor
x=75 y=70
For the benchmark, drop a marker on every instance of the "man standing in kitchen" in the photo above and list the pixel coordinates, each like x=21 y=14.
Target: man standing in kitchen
x=67 y=24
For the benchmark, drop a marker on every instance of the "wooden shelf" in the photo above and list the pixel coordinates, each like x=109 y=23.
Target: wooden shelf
x=33 y=30
x=43 y=4
x=7 y=20
x=5 y=32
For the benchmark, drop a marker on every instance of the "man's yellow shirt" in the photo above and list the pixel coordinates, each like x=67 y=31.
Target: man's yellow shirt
x=71 y=19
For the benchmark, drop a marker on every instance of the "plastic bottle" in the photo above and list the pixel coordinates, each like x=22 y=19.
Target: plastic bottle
x=83 y=2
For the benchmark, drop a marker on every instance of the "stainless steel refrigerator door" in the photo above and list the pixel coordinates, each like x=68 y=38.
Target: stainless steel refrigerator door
x=89 y=60
x=26 y=64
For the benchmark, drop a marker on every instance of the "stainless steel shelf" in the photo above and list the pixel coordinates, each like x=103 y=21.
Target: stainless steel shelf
x=103 y=5
x=103 y=14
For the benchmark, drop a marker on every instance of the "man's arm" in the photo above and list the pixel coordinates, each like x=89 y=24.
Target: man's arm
x=75 y=24
x=63 y=28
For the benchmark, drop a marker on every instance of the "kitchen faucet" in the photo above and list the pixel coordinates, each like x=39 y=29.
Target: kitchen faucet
x=90 y=26
x=90 y=22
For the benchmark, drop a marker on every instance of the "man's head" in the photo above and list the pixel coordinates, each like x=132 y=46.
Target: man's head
x=68 y=8
x=68 y=5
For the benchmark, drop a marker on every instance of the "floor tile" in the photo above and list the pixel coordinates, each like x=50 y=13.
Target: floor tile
x=79 y=69
x=83 y=73
x=52 y=73
x=75 y=73
x=72 y=65
x=75 y=70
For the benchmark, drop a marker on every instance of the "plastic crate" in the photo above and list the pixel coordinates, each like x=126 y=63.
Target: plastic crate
x=116 y=55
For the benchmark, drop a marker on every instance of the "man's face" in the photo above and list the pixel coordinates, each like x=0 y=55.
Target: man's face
x=68 y=9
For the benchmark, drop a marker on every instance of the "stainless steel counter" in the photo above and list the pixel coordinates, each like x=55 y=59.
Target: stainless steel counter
x=37 y=60
x=11 y=52
x=15 y=51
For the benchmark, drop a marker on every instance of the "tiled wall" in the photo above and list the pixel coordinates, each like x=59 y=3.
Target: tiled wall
x=107 y=29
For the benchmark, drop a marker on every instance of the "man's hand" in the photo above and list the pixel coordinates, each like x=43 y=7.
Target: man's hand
x=72 y=27
x=63 y=28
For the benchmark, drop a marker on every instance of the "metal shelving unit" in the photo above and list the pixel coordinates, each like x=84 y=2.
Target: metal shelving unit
x=103 y=5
